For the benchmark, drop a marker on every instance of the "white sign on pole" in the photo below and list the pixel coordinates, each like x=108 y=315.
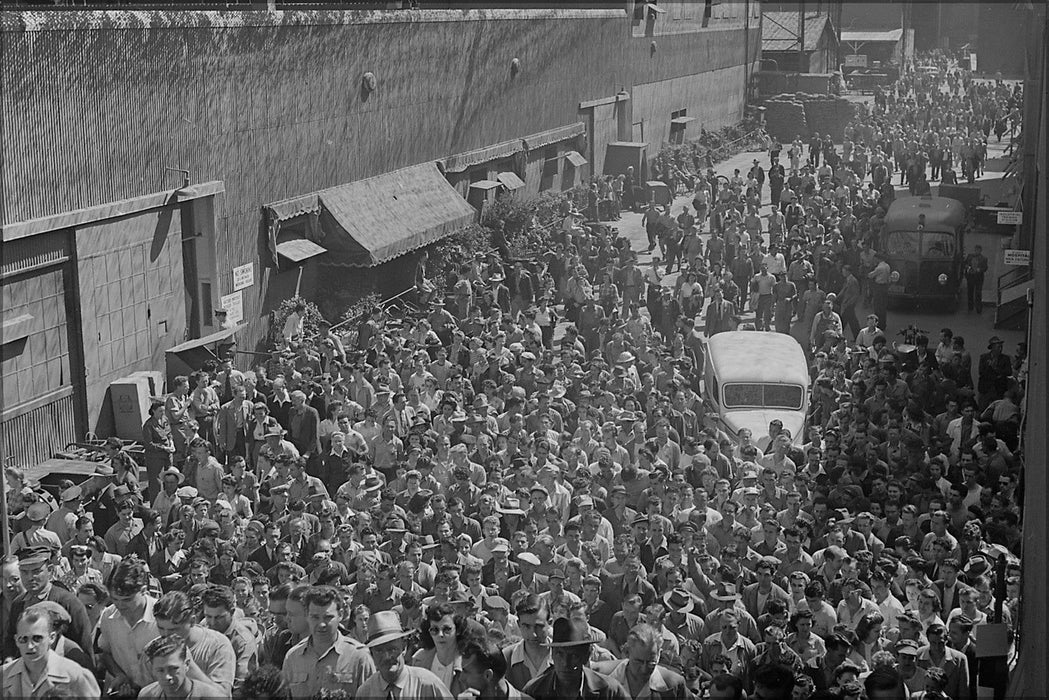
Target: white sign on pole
x=972 y=62
x=234 y=306
x=1010 y=218
x=1017 y=257
x=243 y=277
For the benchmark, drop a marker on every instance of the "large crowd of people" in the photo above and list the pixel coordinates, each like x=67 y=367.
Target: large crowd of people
x=520 y=494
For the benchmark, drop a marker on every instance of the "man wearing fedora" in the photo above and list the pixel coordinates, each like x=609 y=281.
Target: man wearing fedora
x=569 y=675
x=393 y=679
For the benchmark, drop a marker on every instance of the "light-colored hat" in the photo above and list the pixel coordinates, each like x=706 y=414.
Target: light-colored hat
x=384 y=627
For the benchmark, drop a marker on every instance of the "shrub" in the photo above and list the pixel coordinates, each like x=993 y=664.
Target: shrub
x=311 y=318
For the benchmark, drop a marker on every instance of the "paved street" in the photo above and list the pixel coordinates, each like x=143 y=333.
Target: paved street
x=975 y=328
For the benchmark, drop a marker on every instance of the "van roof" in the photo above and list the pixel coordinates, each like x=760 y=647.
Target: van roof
x=757 y=357
x=941 y=214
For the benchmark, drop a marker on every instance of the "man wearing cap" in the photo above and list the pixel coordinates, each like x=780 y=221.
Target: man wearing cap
x=393 y=679
x=569 y=675
x=528 y=579
x=37 y=572
x=952 y=662
x=36 y=535
x=63 y=521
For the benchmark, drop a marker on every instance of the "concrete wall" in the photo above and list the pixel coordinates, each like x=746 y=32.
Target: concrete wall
x=95 y=105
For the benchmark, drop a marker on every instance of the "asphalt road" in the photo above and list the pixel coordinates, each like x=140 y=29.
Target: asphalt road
x=975 y=328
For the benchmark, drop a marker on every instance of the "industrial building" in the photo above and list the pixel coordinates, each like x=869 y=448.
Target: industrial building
x=162 y=164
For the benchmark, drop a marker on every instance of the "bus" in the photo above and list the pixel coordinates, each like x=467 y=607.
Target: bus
x=922 y=240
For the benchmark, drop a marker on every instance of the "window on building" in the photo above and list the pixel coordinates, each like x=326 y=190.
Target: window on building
x=551 y=168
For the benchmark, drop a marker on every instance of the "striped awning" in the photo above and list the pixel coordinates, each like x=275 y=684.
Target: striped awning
x=561 y=133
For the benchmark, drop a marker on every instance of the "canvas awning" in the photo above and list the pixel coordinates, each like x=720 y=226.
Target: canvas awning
x=576 y=159
x=561 y=133
x=369 y=222
x=510 y=181
x=299 y=249
x=462 y=161
x=854 y=37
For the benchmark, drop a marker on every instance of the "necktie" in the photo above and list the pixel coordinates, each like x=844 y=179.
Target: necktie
x=391 y=692
x=227 y=389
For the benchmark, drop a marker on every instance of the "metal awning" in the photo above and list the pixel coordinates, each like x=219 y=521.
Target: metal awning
x=561 y=133
x=510 y=181
x=369 y=222
x=485 y=185
x=576 y=159
x=299 y=249
x=681 y=121
x=198 y=343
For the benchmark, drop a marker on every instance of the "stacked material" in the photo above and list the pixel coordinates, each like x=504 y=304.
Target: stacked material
x=785 y=117
x=827 y=114
x=791 y=114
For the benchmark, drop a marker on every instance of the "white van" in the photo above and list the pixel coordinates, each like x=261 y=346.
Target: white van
x=754 y=377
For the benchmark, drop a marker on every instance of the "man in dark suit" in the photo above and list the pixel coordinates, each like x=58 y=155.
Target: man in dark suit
x=720 y=314
x=569 y=675
x=147 y=542
x=304 y=431
x=36 y=568
x=266 y=555
x=639 y=673
x=630 y=581
x=499 y=564
x=757 y=595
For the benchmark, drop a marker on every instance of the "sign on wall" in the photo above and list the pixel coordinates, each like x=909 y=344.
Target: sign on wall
x=855 y=60
x=243 y=277
x=1010 y=218
x=234 y=306
x=1017 y=257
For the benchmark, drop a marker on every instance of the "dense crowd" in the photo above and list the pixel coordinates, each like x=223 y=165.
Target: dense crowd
x=518 y=493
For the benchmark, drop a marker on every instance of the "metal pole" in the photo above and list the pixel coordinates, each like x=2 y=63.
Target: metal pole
x=6 y=524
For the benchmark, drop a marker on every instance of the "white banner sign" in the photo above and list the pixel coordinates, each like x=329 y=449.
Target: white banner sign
x=243 y=277
x=234 y=306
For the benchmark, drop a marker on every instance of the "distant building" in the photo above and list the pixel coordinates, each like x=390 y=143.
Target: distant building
x=808 y=45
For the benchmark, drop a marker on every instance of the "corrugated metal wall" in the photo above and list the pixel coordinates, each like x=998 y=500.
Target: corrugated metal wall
x=132 y=297
x=274 y=107
x=35 y=436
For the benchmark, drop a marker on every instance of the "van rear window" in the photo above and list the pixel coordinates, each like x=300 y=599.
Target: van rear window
x=786 y=396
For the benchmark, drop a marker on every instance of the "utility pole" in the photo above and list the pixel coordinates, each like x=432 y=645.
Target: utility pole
x=801 y=37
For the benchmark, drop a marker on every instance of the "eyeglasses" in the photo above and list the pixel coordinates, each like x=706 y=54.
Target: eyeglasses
x=24 y=639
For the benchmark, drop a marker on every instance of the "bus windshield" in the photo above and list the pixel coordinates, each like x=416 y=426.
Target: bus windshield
x=930 y=244
x=786 y=396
